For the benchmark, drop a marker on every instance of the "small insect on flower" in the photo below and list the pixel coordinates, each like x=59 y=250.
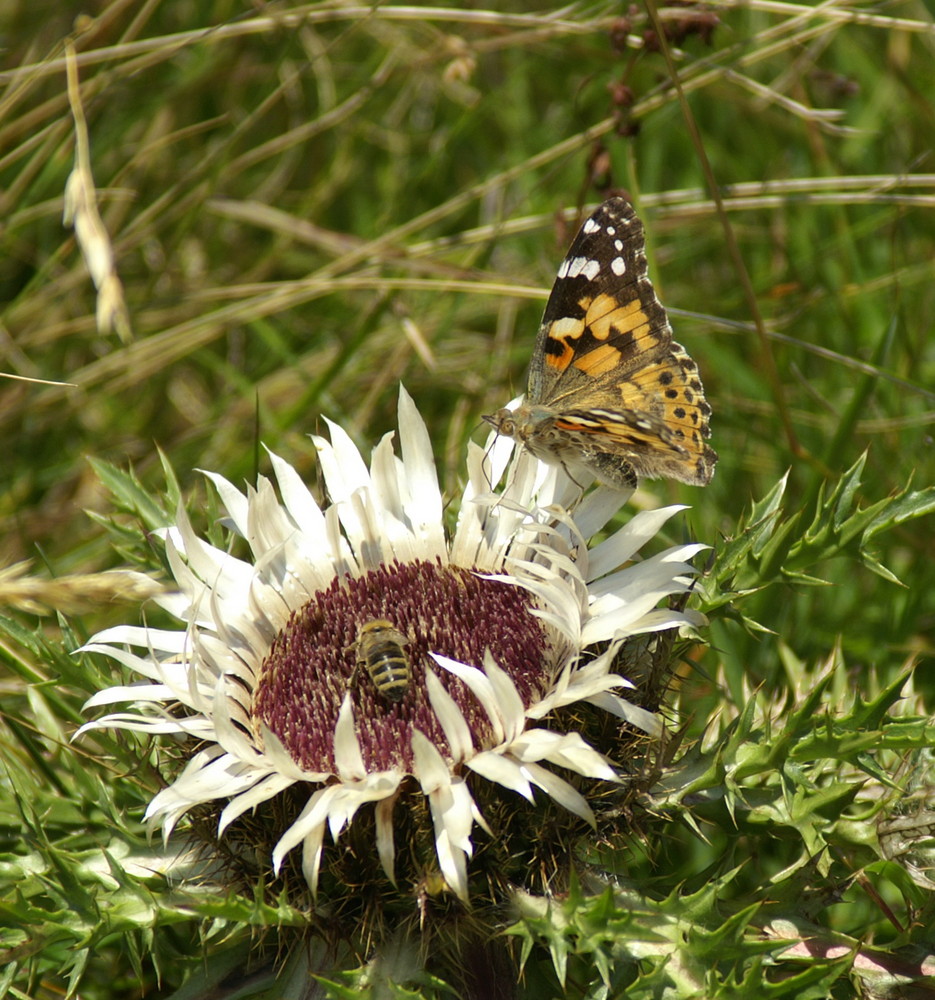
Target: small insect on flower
x=379 y=648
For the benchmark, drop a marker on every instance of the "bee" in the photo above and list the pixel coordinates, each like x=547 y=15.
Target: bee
x=379 y=649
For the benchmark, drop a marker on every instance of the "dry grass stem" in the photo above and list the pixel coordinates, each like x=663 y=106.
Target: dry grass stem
x=81 y=212
x=74 y=594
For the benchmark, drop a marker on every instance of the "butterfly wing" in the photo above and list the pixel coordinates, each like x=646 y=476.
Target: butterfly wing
x=603 y=314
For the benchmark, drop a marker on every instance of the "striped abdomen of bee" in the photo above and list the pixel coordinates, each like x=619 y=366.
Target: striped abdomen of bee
x=380 y=651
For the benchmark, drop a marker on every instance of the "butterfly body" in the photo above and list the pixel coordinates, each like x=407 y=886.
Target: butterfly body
x=610 y=393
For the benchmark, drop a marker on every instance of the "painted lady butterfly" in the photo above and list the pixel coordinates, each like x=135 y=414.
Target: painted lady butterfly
x=610 y=392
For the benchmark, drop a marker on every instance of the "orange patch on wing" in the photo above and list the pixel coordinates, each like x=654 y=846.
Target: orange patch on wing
x=601 y=360
x=560 y=361
x=659 y=376
x=561 y=332
x=607 y=317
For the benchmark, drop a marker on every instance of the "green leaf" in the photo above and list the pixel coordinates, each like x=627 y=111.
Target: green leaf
x=130 y=495
x=770 y=548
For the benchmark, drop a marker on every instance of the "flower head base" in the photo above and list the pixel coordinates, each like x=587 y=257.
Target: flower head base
x=361 y=659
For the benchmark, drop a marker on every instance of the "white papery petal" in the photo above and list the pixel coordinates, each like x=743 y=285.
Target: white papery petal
x=197 y=728
x=164 y=640
x=281 y=760
x=597 y=508
x=129 y=692
x=199 y=781
x=566 y=616
x=470 y=532
x=662 y=619
x=195 y=605
x=669 y=566
x=230 y=736
x=349 y=798
x=592 y=682
x=453 y=811
x=633 y=714
x=566 y=750
x=386 y=473
x=495 y=766
x=499 y=449
x=310 y=825
x=386 y=850
x=228 y=578
x=173 y=675
x=481 y=688
x=234 y=501
x=332 y=806
x=311 y=857
x=555 y=489
x=430 y=767
x=623 y=545
x=577 y=688
x=219 y=660
x=453 y=807
x=262 y=791
x=561 y=791
x=627 y=619
x=344 y=469
x=373 y=549
x=425 y=501
x=268 y=524
x=348 y=757
x=342 y=554
x=452 y=721
x=297 y=498
x=509 y=703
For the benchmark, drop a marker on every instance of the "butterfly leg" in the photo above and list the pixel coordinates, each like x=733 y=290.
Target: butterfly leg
x=569 y=471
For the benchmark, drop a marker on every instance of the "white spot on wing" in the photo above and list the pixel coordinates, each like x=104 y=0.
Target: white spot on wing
x=618 y=265
x=561 y=328
x=611 y=231
x=590 y=227
x=573 y=266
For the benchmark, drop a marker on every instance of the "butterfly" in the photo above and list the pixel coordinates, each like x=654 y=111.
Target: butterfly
x=610 y=393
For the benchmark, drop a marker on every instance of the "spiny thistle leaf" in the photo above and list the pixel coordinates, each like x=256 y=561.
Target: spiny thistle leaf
x=770 y=548
x=370 y=984
x=905 y=506
x=682 y=945
x=131 y=496
x=753 y=532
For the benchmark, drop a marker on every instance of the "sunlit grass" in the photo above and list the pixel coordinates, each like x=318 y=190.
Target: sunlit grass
x=309 y=204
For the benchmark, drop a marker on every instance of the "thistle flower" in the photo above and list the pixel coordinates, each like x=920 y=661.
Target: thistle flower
x=276 y=675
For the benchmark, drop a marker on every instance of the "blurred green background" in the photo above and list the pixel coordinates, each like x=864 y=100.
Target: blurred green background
x=311 y=203
x=306 y=211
